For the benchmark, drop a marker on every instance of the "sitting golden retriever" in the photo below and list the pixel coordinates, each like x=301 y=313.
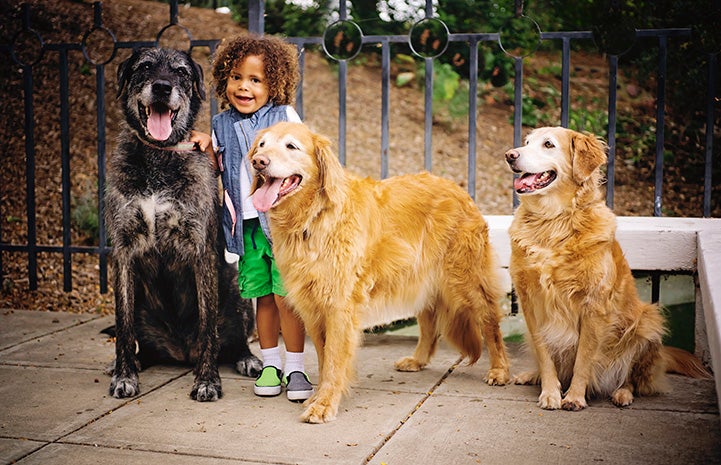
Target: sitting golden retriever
x=357 y=252
x=588 y=329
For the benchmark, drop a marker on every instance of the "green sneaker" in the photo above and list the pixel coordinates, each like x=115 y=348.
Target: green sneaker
x=297 y=386
x=268 y=383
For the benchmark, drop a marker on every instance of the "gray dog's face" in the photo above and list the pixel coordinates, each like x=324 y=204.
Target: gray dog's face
x=161 y=91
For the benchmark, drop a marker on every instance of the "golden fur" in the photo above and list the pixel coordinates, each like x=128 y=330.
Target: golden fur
x=358 y=252
x=589 y=331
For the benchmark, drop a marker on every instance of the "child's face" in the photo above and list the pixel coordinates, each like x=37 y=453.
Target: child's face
x=247 y=89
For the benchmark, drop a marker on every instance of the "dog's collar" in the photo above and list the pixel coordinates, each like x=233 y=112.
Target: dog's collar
x=186 y=146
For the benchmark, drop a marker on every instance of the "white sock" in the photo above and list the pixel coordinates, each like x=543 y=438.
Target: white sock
x=271 y=357
x=294 y=361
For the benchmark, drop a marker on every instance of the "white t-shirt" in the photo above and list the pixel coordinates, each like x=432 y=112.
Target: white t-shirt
x=249 y=210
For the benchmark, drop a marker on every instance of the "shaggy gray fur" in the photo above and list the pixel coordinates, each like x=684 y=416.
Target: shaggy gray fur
x=174 y=293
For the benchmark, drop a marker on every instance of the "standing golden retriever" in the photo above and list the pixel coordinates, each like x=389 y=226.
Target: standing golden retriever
x=357 y=252
x=589 y=331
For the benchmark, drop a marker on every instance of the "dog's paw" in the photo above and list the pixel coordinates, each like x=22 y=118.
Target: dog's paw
x=550 y=400
x=622 y=397
x=408 y=364
x=319 y=411
x=497 y=377
x=249 y=366
x=206 y=391
x=574 y=404
x=123 y=387
x=528 y=377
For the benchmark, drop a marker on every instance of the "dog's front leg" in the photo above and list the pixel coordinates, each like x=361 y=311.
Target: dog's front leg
x=124 y=382
x=317 y=336
x=342 y=336
x=207 y=385
x=550 y=398
x=588 y=345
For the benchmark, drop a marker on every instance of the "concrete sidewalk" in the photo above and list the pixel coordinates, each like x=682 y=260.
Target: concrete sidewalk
x=55 y=409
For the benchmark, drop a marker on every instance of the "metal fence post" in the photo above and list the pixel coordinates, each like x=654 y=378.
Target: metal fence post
x=256 y=13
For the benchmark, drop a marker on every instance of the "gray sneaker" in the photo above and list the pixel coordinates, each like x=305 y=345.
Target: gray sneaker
x=297 y=386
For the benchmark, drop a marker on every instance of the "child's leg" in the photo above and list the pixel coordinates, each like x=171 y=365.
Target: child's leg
x=298 y=387
x=268 y=323
x=293 y=332
x=291 y=326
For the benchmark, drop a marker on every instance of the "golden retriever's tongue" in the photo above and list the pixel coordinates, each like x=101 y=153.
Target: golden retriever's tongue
x=266 y=195
x=526 y=183
x=159 y=124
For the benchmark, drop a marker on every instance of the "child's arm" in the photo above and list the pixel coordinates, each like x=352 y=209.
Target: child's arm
x=205 y=144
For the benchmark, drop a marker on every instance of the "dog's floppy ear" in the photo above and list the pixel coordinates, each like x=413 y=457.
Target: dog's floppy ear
x=198 y=83
x=124 y=72
x=330 y=171
x=588 y=153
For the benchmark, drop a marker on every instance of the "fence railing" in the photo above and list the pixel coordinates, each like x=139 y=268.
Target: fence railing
x=28 y=47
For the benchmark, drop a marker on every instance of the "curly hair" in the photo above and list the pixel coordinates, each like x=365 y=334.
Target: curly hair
x=280 y=62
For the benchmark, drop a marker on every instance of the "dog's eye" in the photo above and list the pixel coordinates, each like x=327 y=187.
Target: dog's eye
x=548 y=144
x=291 y=146
x=261 y=143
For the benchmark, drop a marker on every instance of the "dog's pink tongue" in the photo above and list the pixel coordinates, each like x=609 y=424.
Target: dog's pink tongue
x=159 y=124
x=266 y=195
x=525 y=183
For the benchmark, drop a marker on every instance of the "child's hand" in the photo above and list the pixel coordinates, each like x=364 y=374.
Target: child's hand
x=202 y=139
x=205 y=144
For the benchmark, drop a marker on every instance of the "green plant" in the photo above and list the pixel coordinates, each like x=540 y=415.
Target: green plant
x=514 y=338
x=84 y=217
x=641 y=135
x=450 y=92
x=589 y=119
x=286 y=18
x=531 y=107
x=446 y=82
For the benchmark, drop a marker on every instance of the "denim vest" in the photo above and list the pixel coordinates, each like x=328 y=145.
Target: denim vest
x=235 y=134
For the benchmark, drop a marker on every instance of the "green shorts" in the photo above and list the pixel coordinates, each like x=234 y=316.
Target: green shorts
x=257 y=273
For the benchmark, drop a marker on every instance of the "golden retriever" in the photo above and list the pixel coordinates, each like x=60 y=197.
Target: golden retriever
x=357 y=252
x=589 y=331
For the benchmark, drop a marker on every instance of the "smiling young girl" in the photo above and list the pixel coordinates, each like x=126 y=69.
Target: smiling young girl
x=256 y=79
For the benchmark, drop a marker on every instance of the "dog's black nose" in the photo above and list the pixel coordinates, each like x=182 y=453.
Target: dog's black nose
x=162 y=88
x=512 y=155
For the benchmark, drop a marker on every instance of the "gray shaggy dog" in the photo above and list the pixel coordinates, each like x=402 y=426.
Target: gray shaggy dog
x=176 y=299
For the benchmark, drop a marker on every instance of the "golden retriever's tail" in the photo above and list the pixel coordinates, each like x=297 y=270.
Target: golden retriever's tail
x=683 y=363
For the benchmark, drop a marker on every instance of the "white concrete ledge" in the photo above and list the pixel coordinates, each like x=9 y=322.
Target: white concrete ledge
x=649 y=243
x=709 y=277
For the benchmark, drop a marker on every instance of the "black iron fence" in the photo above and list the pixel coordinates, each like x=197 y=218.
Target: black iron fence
x=99 y=46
